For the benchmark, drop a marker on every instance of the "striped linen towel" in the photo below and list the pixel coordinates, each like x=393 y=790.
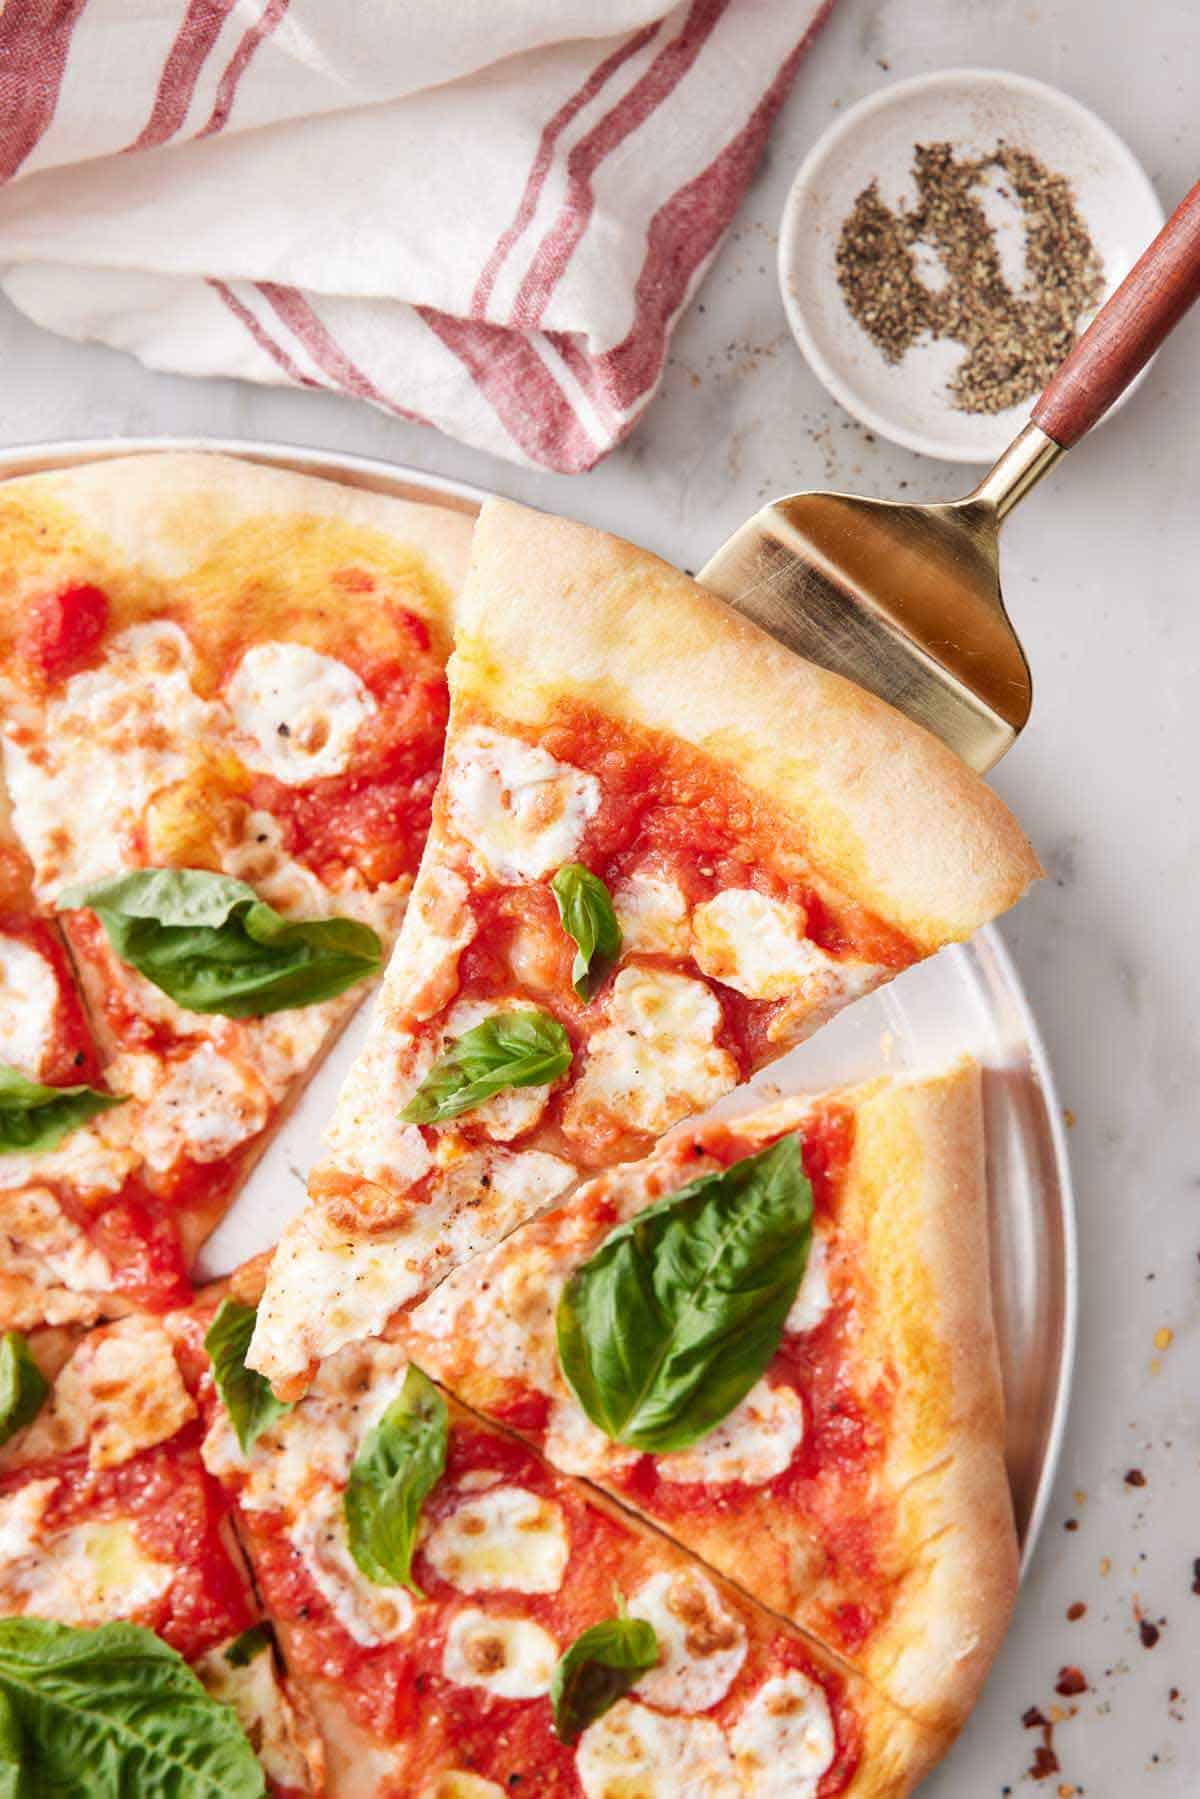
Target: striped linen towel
x=483 y=214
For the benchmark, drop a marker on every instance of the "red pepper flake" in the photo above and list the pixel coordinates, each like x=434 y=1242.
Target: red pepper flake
x=1045 y=1763
x=1196 y=1576
x=1075 y=1612
x=1148 y=1632
x=1135 y=1478
x=1034 y=1718
x=1071 y=1524
x=1070 y=1683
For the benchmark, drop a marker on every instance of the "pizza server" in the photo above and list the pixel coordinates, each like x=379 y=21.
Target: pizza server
x=906 y=600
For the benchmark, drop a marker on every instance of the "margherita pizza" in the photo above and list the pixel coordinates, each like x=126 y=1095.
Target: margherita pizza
x=466 y=1623
x=108 y=1519
x=223 y=706
x=849 y=1469
x=664 y=850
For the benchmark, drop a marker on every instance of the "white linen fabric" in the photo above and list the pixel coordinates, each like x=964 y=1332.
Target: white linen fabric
x=485 y=214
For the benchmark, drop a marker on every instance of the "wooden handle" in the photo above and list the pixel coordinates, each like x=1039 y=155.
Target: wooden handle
x=1127 y=330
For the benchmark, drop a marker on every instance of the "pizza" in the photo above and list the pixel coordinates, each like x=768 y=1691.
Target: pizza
x=221 y=719
x=663 y=851
x=109 y=1520
x=460 y=1668
x=858 y=1483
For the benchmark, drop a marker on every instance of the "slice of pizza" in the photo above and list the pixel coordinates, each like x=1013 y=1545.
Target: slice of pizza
x=664 y=849
x=468 y=1623
x=222 y=705
x=774 y=1339
x=109 y=1519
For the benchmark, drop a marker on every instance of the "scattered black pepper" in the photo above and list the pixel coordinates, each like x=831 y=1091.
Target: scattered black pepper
x=1196 y=1576
x=1014 y=339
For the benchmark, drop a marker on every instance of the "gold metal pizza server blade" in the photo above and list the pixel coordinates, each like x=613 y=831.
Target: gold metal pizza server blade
x=905 y=600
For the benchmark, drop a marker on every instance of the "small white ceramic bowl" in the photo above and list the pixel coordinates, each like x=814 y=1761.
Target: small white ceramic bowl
x=973 y=109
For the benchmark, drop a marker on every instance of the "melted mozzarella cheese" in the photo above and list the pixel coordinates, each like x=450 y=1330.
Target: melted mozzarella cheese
x=574 y=1444
x=115 y=736
x=366 y=1135
x=522 y=812
x=783 y=1742
x=43 y=1245
x=454 y=1784
x=368 y=1612
x=28 y=1006
x=511 y=1318
x=257 y=856
x=91 y=1162
x=634 y=1753
x=86 y=1574
x=328 y=1287
x=120 y=1392
x=310 y=1449
x=813 y=1298
x=202 y=1106
x=505 y=1539
x=297 y=711
x=752 y=943
x=701 y=1644
x=423 y=974
x=264 y=1712
x=512 y=1658
x=758 y=946
x=653 y=915
x=754 y=1444
x=656 y=1059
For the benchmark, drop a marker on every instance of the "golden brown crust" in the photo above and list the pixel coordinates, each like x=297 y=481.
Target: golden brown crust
x=917 y=1192
x=226 y=546
x=552 y=609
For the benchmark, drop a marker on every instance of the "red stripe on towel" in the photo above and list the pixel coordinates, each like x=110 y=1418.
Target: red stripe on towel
x=192 y=48
x=239 y=62
x=540 y=167
x=34 y=40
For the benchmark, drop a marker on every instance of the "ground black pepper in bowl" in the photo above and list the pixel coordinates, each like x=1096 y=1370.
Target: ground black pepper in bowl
x=1014 y=338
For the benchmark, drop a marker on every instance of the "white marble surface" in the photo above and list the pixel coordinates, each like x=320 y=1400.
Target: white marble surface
x=1100 y=574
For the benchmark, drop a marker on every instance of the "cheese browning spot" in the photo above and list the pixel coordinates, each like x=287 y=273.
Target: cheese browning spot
x=512 y=1658
x=784 y=1740
x=701 y=1645
x=521 y=812
x=503 y=1539
x=635 y=1753
x=297 y=711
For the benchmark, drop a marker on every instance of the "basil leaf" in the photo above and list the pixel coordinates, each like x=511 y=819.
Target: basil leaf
x=23 y=1387
x=249 y=1645
x=597 y=1670
x=212 y=945
x=35 y=1118
x=586 y=910
x=245 y=1394
x=509 y=1049
x=16 y=1775
x=669 y=1324
x=111 y=1712
x=397 y=1466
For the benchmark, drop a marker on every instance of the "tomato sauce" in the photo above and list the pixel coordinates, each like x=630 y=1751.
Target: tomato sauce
x=178 y=1513
x=62 y=632
x=374 y=817
x=398 y=1692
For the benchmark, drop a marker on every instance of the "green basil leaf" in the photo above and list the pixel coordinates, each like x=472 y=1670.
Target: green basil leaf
x=509 y=1049
x=113 y=1711
x=35 y=1118
x=397 y=1466
x=666 y=1328
x=249 y=1645
x=586 y=910
x=598 y=1669
x=23 y=1387
x=16 y=1773
x=245 y=1394
x=212 y=945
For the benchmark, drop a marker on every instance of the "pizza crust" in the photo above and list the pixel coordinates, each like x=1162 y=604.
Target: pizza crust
x=552 y=610
x=916 y=1190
